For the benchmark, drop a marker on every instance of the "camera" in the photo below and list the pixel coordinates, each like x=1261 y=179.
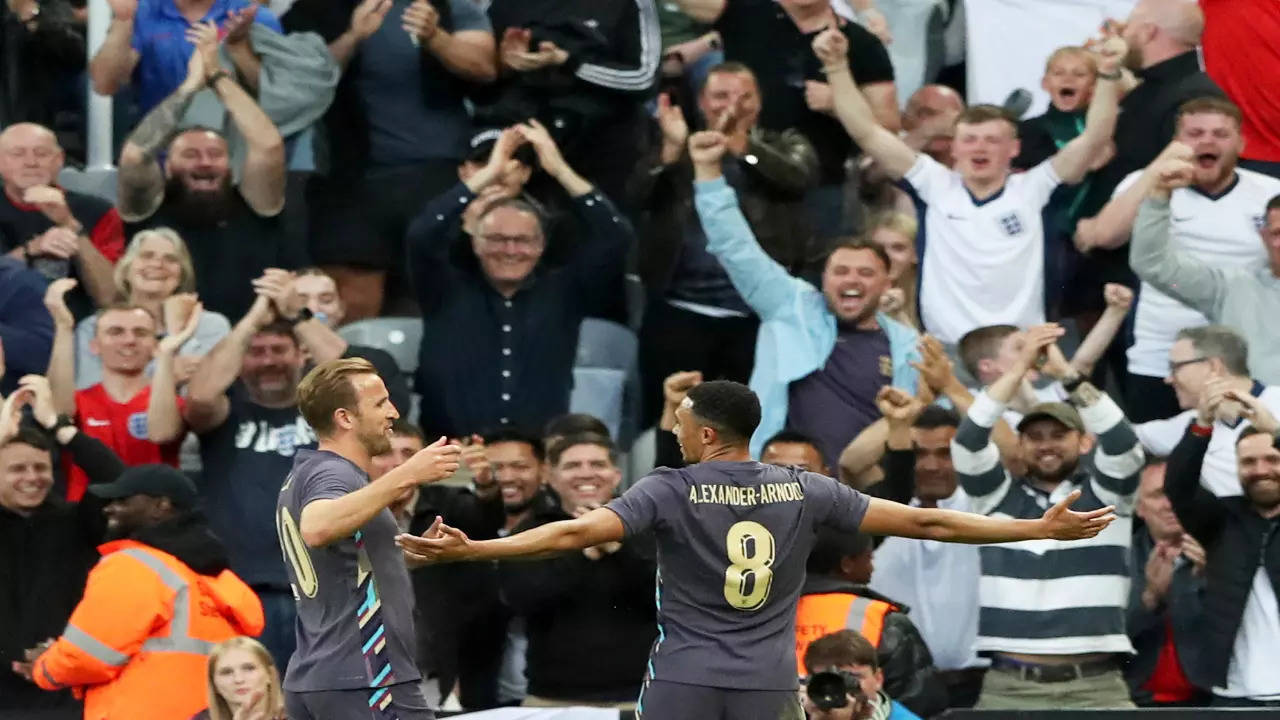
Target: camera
x=831 y=690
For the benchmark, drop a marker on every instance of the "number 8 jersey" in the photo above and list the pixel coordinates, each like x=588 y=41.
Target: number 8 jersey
x=733 y=538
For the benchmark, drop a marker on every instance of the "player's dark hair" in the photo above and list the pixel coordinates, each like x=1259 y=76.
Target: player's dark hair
x=729 y=407
x=832 y=547
x=403 y=428
x=936 y=416
x=843 y=647
x=562 y=445
x=982 y=344
x=793 y=437
x=574 y=424
x=516 y=435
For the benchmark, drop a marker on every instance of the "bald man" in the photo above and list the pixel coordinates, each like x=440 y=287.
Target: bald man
x=929 y=121
x=56 y=232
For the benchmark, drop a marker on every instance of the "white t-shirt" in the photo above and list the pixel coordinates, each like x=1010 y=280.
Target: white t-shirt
x=1222 y=231
x=1218 y=474
x=911 y=571
x=983 y=260
x=1254 y=670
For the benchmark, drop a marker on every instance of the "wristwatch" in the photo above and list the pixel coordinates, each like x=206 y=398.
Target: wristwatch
x=303 y=315
x=62 y=421
x=215 y=77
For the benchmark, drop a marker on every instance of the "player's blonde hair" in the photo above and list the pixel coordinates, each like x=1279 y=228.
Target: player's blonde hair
x=328 y=388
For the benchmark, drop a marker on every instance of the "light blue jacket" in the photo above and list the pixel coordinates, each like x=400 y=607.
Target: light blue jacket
x=797 y=328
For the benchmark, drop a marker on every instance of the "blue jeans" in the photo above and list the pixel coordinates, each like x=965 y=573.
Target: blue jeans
x=280 y=636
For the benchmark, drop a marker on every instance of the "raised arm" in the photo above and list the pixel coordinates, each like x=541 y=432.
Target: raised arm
x=1058 y=522
x=62 y=362
x=853 y=111
x=141 y=181
x=164 y=419
x=764 y=284
x=331 y=519
x=366 y=18
x=1193 y=282
x=1118 y=299
x=262 y=178
x=207 y=403
x=442 y=543
x=469 y=52
x=1111 y=227
x=1073 y=161
x=113 y=64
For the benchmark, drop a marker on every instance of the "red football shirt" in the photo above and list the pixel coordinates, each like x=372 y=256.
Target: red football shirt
x=1242 y=55
x=121 y=427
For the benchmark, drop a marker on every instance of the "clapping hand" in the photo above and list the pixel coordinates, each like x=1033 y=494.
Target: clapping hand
x=549 y=157
x=367 y=17
x=421 y=20
x=675 y=130
x=171 y=343
x=55 y=302
x=204 y=36
x=515 y=54
x=278 y=286
x=898 y=406
x=238 y=23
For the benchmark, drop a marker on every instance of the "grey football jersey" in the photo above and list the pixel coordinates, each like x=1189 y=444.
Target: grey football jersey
x=355 y=602
x=733 y=538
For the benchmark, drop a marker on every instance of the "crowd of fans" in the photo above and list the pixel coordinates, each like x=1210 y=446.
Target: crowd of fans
x=735 y=181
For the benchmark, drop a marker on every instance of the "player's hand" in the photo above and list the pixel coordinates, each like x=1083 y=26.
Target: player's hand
x=55 y=302
x=678 y=384
x=935 y=367
x=1118 y=297
x=439 y=544
x=831 y=47
x=1252 y=409
x=898 y=406
x=436 y=461
x=474 y=457
x=1061 y=523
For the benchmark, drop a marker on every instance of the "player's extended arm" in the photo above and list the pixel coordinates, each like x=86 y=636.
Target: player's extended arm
x=889 y=518
x=441 y=543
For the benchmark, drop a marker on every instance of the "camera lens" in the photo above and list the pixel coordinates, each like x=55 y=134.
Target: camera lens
x=827 y=690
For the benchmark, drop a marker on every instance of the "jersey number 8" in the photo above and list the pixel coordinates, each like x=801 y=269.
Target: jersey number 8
x=748 y=578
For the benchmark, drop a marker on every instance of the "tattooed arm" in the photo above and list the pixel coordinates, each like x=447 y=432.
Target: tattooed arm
x=141 y=181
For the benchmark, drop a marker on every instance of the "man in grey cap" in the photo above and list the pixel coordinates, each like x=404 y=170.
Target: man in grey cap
x=1052 y=617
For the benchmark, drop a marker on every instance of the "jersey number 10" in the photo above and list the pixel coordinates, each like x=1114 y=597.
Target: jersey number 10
x=748 y=578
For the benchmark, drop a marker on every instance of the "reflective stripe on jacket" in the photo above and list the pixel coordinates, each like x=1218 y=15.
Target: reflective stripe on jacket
x=136 y=645
x=825 y=613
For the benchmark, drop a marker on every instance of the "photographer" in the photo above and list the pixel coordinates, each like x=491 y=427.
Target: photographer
x=845 y=681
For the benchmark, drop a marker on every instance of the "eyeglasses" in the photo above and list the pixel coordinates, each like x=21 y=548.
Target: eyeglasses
x=1178 y=365
x=520 y=241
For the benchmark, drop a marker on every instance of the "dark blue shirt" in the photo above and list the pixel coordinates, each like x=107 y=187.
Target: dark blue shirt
x=836 y=402
x=699 y=277
x=488 y=360
x=733 y=539
x=160 y=37
x=25 y=326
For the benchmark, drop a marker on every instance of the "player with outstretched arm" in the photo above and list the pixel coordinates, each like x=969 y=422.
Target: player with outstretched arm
x=733 y=536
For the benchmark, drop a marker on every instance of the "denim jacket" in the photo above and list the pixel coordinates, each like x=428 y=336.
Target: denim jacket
x=797 y=329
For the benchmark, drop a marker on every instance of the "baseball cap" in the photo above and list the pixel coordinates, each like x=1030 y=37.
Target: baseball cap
x=1059 y=411
x=153 y=480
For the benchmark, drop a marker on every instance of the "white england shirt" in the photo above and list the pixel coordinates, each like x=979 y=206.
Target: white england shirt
x=1220 y=230
x=983 y=260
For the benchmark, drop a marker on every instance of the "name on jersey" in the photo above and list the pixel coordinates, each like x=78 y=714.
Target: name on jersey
x=746 y=496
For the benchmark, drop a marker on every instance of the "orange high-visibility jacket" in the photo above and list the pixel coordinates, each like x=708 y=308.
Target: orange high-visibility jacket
x=136 y=645
x=825 y=613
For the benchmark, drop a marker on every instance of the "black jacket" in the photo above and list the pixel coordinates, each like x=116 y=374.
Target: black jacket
x=37 y=63
x=909 y=674
x=1237 y=540
x=1183 y=609
x=590 y=623
x=45 y=558
x=783 y=167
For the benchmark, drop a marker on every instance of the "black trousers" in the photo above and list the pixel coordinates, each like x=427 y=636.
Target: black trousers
x=673 y=339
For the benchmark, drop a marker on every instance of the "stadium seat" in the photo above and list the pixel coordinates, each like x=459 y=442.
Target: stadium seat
x=605 y=377
x=400 y=336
